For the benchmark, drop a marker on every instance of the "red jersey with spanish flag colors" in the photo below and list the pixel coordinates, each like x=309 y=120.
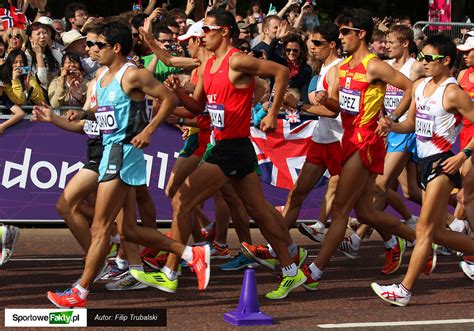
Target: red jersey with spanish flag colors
x=359 y=100
x=229 y=106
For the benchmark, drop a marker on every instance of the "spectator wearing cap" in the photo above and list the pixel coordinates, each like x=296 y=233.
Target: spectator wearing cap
x=40 y=57
x=76 y=16
x=75 y=42
x=54 y=39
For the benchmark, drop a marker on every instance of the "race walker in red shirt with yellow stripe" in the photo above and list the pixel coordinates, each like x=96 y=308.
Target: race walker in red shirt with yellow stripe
x=358 y=94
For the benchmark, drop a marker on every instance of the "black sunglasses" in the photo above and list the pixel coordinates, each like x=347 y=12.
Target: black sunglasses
x=17 y=36
x=429 y=57
x=100 y=45
x=294 y=50
x=318 y=43
x=165 y=41
x=346 y=30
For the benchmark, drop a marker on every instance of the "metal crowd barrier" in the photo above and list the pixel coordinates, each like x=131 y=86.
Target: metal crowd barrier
x=452 y=29
x=28 y=108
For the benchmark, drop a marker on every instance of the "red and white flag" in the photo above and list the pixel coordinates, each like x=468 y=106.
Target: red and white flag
x=13 y=17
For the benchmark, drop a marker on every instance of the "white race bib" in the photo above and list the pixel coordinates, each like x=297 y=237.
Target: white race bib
x=392 y=100
x=91 y=128
x=349 y=101
x=106 y=118
x=217 y=115
x=424 y=126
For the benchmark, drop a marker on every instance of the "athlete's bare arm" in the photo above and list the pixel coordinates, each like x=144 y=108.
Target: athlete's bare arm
x=46 y=114
x=197 y=102
x=143 y=81
x=164 y=56
x=417 y=71
x=382 y=71
x=250 y=66
x=461 y=74
x=455 y=99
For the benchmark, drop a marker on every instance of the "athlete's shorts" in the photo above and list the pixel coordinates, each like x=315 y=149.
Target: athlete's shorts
x=370 y=146
x=235 y=157
x=328 y=156
x=125 y=161
x=466 y=135
x=430 y=168
x=204 y=137
x=95 y=151
x=401 y=142
x=189 y=146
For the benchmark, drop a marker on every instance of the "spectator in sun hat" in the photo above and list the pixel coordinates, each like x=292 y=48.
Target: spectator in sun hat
x=54 y=40
x=75 y=42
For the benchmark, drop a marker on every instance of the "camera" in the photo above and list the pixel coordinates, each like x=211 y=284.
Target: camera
x=24 y=70
x=171 y=48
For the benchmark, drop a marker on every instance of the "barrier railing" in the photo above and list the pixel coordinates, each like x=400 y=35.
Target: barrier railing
x=452 y=29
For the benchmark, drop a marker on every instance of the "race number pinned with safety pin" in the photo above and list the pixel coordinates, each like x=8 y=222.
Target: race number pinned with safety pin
x=217 y=115
x=349 y=101
x=105 y=116
x=424 y=125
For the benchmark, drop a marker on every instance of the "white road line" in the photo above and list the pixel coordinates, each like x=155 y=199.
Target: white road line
x=404 y=323
x=51 y=259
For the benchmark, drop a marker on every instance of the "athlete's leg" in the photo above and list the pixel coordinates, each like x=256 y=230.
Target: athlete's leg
x=222 y=218
x=409 y=183
x=181 y=169
x=80 y=185
x=146 y=207
x=466 y=196
x=239 y=215
x=310 y=174
x=396 y=202
x=328 y=200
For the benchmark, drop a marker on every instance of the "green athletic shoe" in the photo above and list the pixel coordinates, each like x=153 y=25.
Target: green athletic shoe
x=156 y=279
x=287 y=285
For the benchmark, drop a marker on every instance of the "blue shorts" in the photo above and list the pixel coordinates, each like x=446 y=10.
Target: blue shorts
x=401 y=142
x=125 y=161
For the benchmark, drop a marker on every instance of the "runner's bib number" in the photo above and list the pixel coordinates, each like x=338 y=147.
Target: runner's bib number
x=349 y=101
x=106 y=118
x=392 y=100
x=217 y=115
x=91 y=128
x=424 y=126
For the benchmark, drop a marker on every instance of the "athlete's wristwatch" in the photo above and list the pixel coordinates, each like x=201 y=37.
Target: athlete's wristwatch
x=467 y=152
x=394 y=117
x=181 y=121
x=299 y=104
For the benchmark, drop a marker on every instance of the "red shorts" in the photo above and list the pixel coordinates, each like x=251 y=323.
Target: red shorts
x=204 y=137
x=370 y=146
x=466 y=135
x=328 y=156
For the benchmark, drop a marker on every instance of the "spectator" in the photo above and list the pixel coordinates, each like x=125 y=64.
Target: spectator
x=180 y=17
x=255 y=14
x=76 y=16
x=377 y=44
x=40 y=57
x=20 y=85
x=3 y=51
x=58 y=25
x=308 y=19
x=243 y=45
x=54 y=40
x=69 y=89
x=269 y=27
x=14 y=38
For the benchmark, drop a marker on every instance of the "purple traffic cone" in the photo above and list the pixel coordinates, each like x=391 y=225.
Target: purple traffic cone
x=248 y=312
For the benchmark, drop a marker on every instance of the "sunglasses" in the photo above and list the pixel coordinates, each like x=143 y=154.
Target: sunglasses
x=135 y=35
x=294 y=50
x=165 y=41
x=208 y=28
x=17 y=36
x=244 y=49
x=346 y=30
x=429 y=57
x=100 y=45
x=318 y=43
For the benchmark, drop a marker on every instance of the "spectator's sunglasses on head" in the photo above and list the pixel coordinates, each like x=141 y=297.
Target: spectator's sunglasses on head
x=347 y=29
x=208 y=28
x=17 y=36
x=319 y=43
x=429 y=57
x=99 y=44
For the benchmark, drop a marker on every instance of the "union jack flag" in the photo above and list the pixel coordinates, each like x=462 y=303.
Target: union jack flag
x=13 y=17
x=282 y=153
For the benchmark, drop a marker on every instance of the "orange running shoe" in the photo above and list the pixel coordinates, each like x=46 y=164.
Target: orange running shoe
x=393 y=257
x=67 y=299
x=261 y=254
x=431 y=262
x=469 y=259
x=218 y=252
x=202 y=265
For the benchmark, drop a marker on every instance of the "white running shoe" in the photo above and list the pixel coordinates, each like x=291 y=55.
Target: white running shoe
x=348 y=248
x=392 y=294
x=312 y=232
x=468 y=269
x=128 y=282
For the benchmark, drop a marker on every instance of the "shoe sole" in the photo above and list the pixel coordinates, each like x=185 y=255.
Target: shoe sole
x=433 y=263
x=12 y=251
x=207 y=260
x=116 y=277
x=402 y=250
x=349 y=255
x=308 y=288
x=399 y=304
x=466 y=270
x=63 y=307
x=253 y=257
x=250 y=265
x=301 y=282
x=303 y=231
x=220 y=257
x=136 y=287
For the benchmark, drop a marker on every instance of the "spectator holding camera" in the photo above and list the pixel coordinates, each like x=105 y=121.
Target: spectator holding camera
x=20 y=85
x=69 y=89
